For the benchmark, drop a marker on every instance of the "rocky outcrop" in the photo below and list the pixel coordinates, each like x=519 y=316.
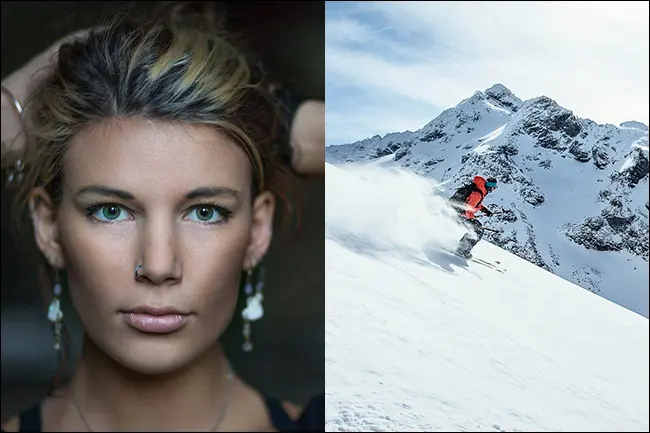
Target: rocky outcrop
x=594 y=234
x=636 y=170
x=576 y=149
x=600 y=156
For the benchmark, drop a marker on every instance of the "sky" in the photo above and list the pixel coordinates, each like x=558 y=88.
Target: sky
x=395 y=66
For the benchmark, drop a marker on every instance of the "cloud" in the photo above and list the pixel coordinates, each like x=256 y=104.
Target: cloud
x=346 y=30
x=590 y=57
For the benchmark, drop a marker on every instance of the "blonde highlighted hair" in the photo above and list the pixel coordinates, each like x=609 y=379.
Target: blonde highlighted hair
x=164 y=70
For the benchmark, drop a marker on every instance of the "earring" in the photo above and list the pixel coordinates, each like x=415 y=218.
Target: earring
x=55 y=315
x=254 y=309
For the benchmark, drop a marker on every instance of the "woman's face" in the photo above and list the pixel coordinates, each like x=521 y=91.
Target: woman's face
x=175 y=199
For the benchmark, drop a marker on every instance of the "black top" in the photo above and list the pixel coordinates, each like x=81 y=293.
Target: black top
x=311 y=419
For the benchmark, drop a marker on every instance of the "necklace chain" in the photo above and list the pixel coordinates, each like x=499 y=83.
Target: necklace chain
x=229 y=377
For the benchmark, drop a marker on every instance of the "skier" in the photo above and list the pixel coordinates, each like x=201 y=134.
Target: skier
x=467 y=200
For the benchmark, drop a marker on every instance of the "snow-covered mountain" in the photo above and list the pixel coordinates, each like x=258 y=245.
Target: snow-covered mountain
x=574 y=193
x=421 y=340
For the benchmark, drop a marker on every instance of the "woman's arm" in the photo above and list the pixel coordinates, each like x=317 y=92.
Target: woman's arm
x=20 y=84
x=308 y=138
x=10 y=130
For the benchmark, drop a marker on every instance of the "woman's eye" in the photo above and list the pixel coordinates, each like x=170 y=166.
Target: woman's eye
x=110 y=213
x=206 y=214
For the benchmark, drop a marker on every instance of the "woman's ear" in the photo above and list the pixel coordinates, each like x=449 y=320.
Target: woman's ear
x=261 y=228
x=46 y=229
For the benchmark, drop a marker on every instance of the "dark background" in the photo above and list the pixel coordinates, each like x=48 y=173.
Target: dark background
x=289 y=353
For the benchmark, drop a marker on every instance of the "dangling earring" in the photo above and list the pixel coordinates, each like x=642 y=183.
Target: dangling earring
x=254 y=309
x=55 y=315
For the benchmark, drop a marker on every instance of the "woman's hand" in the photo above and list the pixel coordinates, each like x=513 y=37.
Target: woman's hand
x=308 y=138
x=21 y=83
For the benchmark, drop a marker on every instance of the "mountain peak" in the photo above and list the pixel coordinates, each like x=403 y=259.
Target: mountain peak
x=634 y=124
x=498 y=88
x=504 y=96
x=467 y=104
x=541 y=102
x=477 y=96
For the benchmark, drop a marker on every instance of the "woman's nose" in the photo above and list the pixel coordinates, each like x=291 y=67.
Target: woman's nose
x=159 y=251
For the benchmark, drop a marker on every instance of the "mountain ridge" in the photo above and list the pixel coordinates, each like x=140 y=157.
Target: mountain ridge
x=564 y=182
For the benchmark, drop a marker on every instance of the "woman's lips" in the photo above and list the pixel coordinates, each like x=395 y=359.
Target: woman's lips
x=156 y=324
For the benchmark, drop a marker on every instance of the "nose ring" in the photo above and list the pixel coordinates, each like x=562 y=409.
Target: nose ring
x=137 y=272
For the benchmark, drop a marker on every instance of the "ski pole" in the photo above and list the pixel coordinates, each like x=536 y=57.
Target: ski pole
x=492 y=230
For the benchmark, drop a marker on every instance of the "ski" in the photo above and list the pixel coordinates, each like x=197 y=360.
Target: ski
x=479 y=261
x=489 y=264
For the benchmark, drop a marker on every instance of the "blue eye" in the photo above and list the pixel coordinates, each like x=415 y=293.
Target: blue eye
x=109 y=213
x=208 y=214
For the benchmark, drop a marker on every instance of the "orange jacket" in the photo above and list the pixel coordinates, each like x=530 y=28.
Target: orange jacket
x=475 y=198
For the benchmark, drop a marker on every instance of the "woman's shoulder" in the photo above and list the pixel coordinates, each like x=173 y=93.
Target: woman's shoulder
x=293 y=410
x=284 y=415
x=312 y=417
x=31 y=417
x=12 y=424
x=28 y=419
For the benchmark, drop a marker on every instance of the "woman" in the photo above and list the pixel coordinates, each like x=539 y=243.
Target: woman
x=151 y=176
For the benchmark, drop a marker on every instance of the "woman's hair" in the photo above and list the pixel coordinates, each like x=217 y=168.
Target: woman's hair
x=167 y=70
x=156 y=70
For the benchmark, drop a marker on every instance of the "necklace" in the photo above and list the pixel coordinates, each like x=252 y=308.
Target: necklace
x=229 y=377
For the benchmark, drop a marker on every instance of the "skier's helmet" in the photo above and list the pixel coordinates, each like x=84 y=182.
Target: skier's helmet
x=490 y=184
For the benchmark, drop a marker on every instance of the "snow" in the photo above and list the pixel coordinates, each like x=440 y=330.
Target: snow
x=641 y=143
x=494 y=134
x=484 y=147
x=420 y=340
x=627 y=164
x=495 y=108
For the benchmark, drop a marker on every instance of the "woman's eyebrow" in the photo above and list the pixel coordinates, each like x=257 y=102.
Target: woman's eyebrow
x=212 y=191
x=106 y=191
x=204 y=191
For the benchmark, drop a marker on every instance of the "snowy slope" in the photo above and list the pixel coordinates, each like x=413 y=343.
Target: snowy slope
x=575 y=192
x=420 y=340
